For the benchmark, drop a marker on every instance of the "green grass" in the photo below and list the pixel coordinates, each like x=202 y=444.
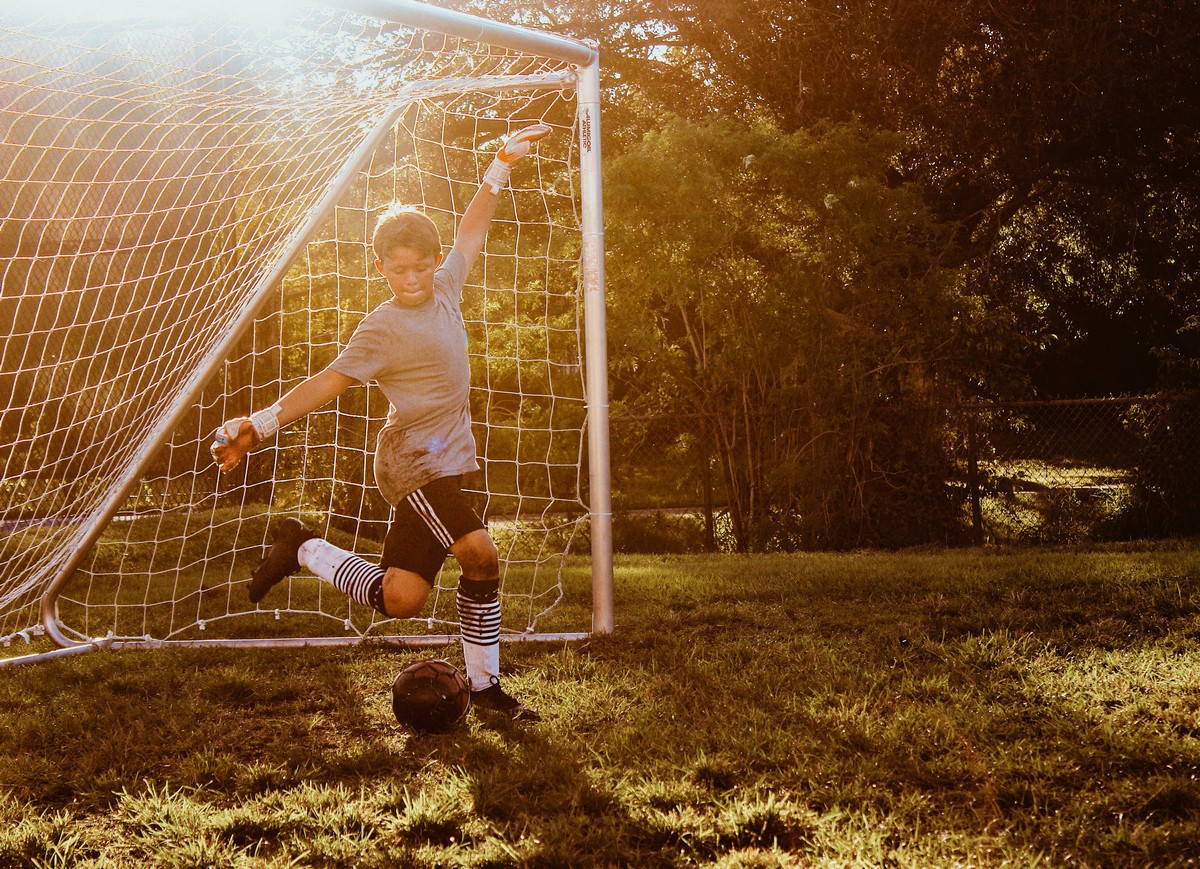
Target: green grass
x=924 y=709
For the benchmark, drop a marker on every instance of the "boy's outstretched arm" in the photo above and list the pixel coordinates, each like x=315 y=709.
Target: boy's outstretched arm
x=236 y=437
x=472 y=229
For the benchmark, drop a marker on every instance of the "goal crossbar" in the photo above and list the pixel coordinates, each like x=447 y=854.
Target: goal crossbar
x=454 y=23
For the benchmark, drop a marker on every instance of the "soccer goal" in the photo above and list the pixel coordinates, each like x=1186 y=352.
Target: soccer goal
x=187 y=191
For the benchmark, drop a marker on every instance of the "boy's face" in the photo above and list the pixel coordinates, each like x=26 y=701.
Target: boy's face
x=410 y=274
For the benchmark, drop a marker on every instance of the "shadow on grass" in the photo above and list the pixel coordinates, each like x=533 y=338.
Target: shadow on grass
x=152 y=737
x=929 y=709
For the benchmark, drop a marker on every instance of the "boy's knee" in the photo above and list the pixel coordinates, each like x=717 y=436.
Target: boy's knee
x=477 y=556
x=404 y=593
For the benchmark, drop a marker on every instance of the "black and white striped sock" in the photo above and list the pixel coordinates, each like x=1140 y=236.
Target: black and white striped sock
x=479 y=619
x=345 y=571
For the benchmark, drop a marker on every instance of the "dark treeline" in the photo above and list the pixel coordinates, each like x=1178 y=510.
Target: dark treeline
x=825 y=218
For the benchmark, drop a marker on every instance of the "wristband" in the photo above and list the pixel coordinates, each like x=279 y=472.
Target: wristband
x=496 y=176
x=266 y=422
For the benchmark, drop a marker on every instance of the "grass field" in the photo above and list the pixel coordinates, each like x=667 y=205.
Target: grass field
x=965 y=708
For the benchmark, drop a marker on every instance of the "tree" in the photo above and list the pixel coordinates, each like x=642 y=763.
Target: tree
x=778 y=287
x=1063 y=141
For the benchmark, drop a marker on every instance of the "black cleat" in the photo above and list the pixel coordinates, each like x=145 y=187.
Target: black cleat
x=280 y=561
x=494 y=699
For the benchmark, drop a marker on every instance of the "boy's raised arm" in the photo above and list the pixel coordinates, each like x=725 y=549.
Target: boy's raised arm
x=472 y=229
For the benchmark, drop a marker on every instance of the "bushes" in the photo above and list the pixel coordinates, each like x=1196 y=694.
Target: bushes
x=1166 y=480
x=658 y=532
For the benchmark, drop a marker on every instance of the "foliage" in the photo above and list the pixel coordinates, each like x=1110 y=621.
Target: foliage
x=1057 y=146
x=782 y=289
x=655 y=531
x=996 y=708
x=1168 y=471
x=1062 y=141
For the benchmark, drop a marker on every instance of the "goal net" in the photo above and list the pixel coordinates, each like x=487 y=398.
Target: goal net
x=186 y=201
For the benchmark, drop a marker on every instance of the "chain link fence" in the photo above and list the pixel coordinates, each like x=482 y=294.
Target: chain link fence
x=1020 y=472
x=1075 y=470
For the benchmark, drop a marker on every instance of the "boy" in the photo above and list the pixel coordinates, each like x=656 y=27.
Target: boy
x=414 y=346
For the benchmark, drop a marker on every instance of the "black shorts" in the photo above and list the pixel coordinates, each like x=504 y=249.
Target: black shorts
x=427 y=523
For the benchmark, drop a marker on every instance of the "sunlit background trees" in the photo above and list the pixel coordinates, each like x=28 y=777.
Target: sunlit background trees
x=828 y=223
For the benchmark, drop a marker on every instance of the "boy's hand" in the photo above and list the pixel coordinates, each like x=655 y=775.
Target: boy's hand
x=521 y=141
x=517 y=146
x=231 y=441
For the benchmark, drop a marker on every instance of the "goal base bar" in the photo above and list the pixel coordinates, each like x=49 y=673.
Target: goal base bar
x=401 y=641
x=39 y=657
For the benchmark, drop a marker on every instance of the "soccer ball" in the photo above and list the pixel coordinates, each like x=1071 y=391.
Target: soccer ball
x=430 y=696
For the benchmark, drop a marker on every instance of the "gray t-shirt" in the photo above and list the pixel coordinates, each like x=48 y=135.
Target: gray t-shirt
x=418 y=356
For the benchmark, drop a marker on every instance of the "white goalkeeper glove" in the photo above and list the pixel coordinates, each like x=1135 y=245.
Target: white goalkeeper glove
x=236 y=437
x=516 y=147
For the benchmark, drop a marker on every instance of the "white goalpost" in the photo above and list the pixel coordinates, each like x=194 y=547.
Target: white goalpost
x=186 y=202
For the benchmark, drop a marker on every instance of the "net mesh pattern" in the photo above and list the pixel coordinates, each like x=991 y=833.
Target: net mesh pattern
x=185 y=211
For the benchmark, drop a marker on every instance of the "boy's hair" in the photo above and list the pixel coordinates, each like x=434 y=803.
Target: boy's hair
x=406 y=226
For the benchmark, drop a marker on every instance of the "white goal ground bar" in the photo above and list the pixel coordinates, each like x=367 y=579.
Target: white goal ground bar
x=423 y=641
x=585 y=79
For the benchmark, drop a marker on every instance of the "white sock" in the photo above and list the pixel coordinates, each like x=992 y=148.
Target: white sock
x=345 y=571
x=479 y=620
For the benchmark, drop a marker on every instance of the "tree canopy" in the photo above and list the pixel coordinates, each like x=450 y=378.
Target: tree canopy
x=853 y=211
x=1061 y=142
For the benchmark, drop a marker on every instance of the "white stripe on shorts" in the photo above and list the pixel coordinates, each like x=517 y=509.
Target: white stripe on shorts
x=419 y=503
